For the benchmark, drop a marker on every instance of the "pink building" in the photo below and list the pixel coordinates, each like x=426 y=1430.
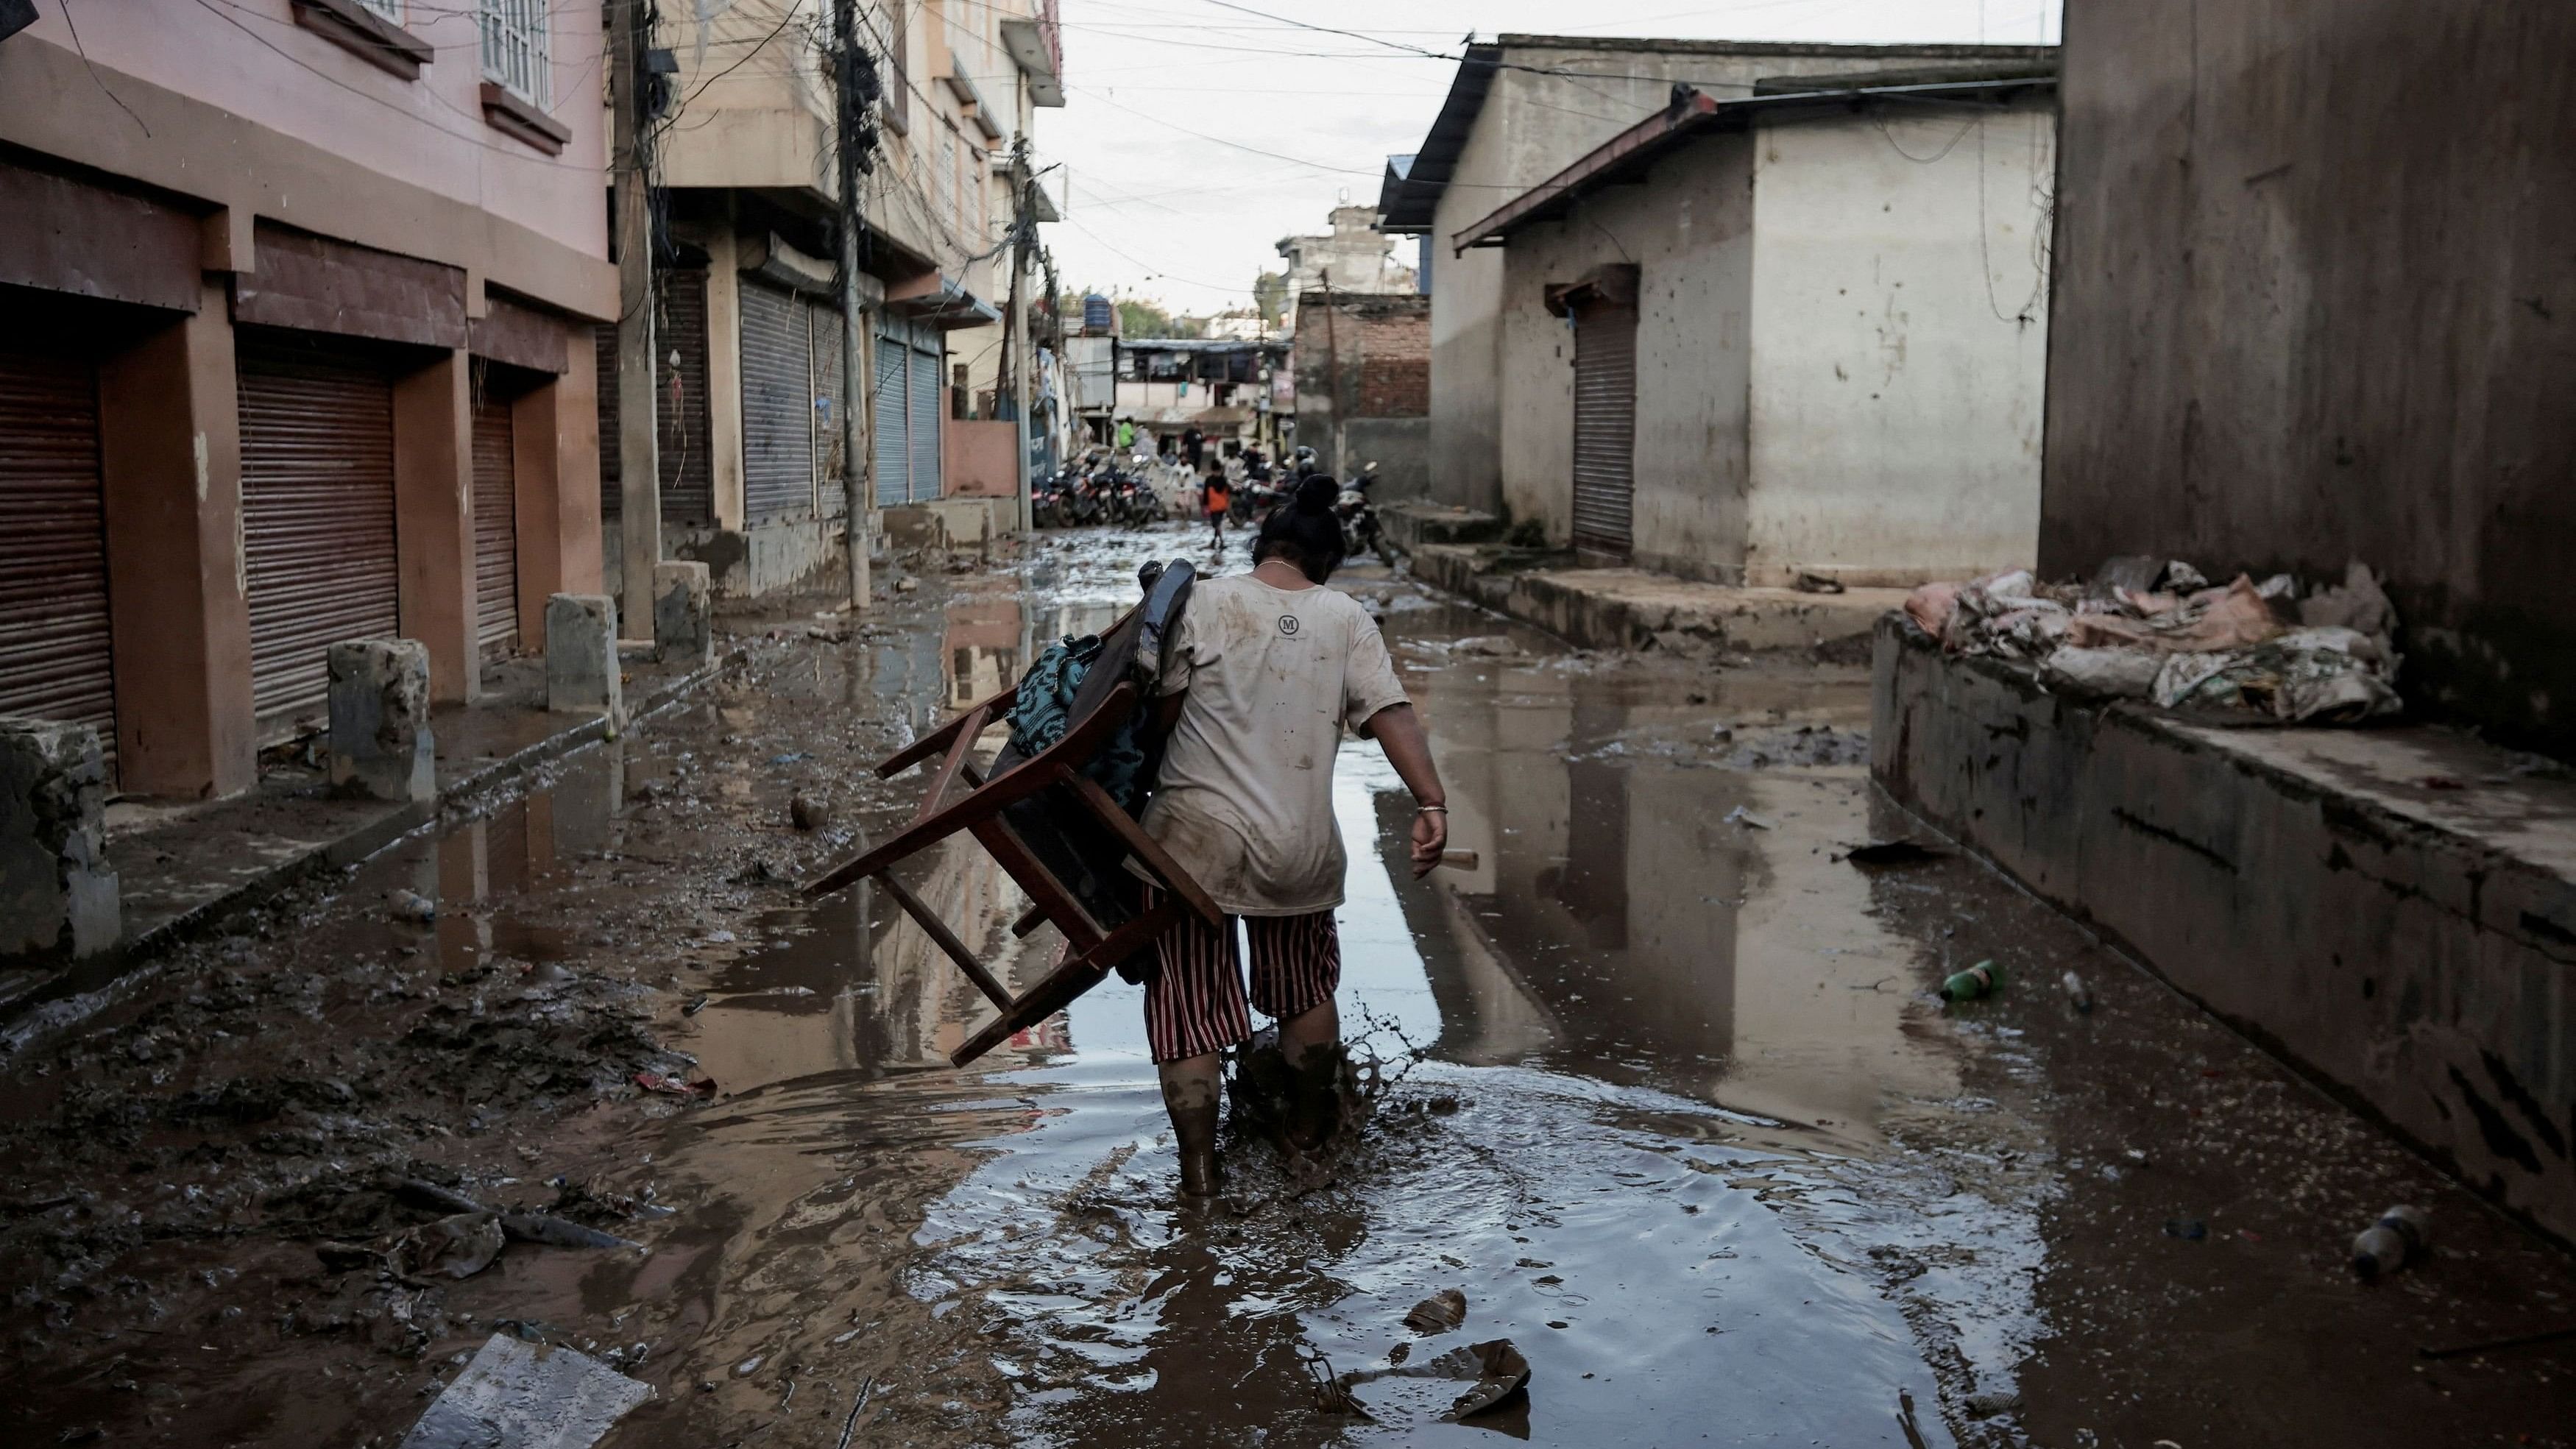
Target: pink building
x=296 y=311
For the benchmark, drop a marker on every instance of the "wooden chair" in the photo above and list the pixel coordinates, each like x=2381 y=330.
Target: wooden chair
x=1052 y=828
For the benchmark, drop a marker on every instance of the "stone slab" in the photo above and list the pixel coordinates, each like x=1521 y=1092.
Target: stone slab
x=582 y=674
x=382 y=745
x=1633 y=608
x=683 y=613
x=2391 y=910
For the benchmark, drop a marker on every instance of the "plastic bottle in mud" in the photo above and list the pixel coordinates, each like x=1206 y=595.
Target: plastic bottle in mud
x=1978 y=980
x=2078 y=995
x=2399 y=1238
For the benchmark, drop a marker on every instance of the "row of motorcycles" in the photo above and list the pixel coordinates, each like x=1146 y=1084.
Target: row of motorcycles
x=1098 y=487
x=1102 y=487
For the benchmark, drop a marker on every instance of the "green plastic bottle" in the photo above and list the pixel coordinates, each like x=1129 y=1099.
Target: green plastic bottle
x=1978 y=980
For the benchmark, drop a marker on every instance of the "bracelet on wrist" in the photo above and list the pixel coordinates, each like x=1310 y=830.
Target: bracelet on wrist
x=1430 y=809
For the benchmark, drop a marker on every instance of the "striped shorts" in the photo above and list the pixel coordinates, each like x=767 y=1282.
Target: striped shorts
x=1195 y=1003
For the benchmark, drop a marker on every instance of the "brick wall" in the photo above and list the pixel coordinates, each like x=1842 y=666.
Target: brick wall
x=1380 y=345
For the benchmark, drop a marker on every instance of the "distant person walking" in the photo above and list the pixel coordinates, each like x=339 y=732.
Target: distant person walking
x=1126 y=435
x=1194 y=446
x=1216 y=495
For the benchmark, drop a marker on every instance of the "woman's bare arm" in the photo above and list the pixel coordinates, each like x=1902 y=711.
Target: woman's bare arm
x=1398 y=731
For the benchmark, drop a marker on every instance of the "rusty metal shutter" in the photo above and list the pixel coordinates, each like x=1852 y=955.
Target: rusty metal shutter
x=1605 y=426
x=55 y=656
x=496 y=529
x=893 y=413
x=824 y=324
x=688 y=470
x=317 y=466
x=929 y=405
x=777 y=405
x=612 y=492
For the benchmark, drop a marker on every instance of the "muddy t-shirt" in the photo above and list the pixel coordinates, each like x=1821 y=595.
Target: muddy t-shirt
x=1245 y=802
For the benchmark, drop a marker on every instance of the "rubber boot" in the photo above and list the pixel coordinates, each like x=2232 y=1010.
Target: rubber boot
x=1315 y=1108
x=1193 y=1106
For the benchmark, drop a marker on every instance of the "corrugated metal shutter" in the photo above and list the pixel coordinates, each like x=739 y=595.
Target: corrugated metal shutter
x=496 y=529
x=55 y=658
x=612 y=491
x=929 y=405
x=688 y=472
x=1605 y=426
x=777 y=404
x=893 y=414
x=824 y=323
x=317 y=463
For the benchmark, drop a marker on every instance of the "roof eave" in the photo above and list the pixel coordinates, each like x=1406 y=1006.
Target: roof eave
x=1648 y=141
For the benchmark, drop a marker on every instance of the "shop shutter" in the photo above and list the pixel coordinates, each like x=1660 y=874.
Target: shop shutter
x=824 y=325
x=317 y=464
x=893 y=414
x=688 y=471
x=612 y=492
x=777 y=405
x=496 y=530
x=929 y=405
x=1605 y=426
x=55 y=660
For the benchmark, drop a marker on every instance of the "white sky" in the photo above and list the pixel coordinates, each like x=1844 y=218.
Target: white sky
x=1161 y=206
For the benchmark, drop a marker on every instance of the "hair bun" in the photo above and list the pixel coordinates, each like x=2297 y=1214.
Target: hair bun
x=1316 y=494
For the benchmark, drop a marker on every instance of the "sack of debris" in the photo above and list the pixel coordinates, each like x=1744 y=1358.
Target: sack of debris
x=2143 y=629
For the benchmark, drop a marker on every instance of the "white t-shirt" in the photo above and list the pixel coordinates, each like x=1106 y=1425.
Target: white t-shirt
x=1245 y=799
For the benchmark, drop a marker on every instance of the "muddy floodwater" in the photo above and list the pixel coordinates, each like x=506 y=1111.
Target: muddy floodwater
x=1673 y=1108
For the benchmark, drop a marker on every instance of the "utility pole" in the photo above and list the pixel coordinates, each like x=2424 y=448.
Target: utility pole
x=855 y=73
x=1014 y=379
x=639 y=462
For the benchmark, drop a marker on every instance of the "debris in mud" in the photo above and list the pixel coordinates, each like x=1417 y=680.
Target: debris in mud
x=523 y=1394
x=1439 y=1313
x=2401 y=1236
x=1810 y=583
x=673 y=1086
x=1978 y=980
x=452 y=1247
x=1892 y=852
x=2190 y=1230
x=2078 y=995
x=1494 y=1371
x=411 y=906
x=808 y=813
x=1492 y=646
x=1741 y=816
x=1988 y=1405
x=2251 y=652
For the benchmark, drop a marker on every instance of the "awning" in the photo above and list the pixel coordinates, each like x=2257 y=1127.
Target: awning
x=938 y=301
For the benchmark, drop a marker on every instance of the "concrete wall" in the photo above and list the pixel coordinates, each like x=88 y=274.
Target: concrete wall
x=1688 y=231
x=2314 y=304
x=2405 y=946
x=1898 y=347
x=183 y=99
x=1532 y=126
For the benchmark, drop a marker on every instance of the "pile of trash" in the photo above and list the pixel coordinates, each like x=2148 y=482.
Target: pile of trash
x=2158 y=630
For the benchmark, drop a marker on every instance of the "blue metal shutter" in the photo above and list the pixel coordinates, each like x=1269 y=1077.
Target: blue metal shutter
x=893 y=451
x=929 y=405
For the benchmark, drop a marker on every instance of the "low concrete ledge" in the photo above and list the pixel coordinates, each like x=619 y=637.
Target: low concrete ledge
x=1632 y=608
x=1413 y=523
x=2392 y=911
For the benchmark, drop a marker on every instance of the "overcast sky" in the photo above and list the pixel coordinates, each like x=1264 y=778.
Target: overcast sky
x=1161 y=204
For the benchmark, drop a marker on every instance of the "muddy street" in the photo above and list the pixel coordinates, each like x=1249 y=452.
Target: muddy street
x=1672 y=1106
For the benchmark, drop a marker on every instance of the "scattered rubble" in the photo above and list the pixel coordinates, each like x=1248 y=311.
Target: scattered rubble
x=2268 y=652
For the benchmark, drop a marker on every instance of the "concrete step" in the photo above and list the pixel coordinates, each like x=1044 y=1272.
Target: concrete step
x=1632 y=608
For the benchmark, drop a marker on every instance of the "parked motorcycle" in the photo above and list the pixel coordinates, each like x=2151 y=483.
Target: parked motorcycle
x=1361 y=532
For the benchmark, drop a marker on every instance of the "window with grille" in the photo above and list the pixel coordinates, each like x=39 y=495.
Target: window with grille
x=516 y=55
x=389 y=9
